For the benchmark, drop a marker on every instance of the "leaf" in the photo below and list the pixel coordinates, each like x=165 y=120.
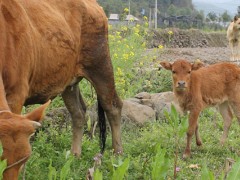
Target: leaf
x=174 y=114
x=160 y=165
x=66 y=169
x=183 y=127
x=52 y=174
x=119 y=173
x=97 y=175
x=206 y=174
x=234 y=173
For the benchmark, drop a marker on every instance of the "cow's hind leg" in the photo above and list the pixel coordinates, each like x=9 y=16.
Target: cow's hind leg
x=76 y=107
x=227 y=120
x=103 y=83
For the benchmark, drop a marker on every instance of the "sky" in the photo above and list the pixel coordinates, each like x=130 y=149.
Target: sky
x=218 y=6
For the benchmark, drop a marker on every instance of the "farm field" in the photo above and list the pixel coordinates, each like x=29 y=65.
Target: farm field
x=152 y=151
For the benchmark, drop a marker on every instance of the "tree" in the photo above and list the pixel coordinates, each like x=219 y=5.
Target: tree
x=226 y=17
x=172 y=10
x=212 y=16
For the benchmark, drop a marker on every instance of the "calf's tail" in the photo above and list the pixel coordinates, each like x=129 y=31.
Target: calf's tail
x=102 y=125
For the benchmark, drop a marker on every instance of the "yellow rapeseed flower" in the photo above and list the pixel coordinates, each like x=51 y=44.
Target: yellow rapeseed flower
x=126 y=10
x=145 y=18
x=124 y=28
x=170 y=32
x=144 y=44
x=131 y=53
x=119 y=71
x=160 y=46
x=125 y=56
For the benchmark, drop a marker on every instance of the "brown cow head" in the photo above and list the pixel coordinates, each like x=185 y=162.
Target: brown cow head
x=181 y=71
x=15 y=132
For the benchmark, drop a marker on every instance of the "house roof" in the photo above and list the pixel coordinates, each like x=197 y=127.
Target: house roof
x=113 y=17
x=128 y=17
x=131 y=17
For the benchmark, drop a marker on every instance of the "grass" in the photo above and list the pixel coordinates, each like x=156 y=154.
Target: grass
x=140 y=147
x=146 y=149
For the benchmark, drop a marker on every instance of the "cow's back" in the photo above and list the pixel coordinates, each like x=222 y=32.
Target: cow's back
x=61 y=40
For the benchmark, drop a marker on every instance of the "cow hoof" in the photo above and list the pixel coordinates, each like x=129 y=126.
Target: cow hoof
x=199 y=143
x=76 y=153
x=120 y=152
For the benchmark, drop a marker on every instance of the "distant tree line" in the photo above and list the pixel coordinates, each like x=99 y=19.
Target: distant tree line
x=166 y=8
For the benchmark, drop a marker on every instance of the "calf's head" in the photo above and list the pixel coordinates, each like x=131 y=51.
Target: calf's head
x=181 y=73
x=15 y=132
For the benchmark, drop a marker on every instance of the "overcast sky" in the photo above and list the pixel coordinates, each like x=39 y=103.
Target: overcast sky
x=219 y=5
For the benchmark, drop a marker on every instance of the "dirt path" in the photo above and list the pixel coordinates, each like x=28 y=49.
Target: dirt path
x=207 y=55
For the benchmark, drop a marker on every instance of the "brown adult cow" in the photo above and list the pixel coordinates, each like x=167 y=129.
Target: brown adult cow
x=198 y=87
x=46 y=48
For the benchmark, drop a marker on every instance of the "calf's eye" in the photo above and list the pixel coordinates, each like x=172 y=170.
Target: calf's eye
x=173 y=72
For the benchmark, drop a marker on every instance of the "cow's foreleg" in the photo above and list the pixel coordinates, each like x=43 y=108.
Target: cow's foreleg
x=227 y=118
x=76 y=107
x=193 y=122
x=17 y=97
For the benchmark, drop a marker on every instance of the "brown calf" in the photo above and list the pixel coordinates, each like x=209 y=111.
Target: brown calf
x=15 y=132
x=197 y=87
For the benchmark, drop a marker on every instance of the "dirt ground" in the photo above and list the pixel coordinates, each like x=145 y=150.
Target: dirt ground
x=207 y=55
x=192 y=44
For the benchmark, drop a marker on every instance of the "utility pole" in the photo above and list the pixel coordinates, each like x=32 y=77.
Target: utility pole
x=129 y=6
x=150 y=18
x=155 y=14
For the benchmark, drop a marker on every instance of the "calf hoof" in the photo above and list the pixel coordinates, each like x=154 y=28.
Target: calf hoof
x=222 y=142
x=186 y=154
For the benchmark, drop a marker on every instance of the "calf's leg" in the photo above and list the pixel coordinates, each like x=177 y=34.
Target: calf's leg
x=76 y=107
x=198 y=139
x=226 y=113
x=193 y=123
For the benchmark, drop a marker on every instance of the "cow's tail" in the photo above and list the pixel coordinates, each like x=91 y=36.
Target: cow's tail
x=102 y=125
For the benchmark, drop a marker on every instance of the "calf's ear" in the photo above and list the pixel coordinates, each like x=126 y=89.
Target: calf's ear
x=166 y=65
x=197 y=65
x=38 y=114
